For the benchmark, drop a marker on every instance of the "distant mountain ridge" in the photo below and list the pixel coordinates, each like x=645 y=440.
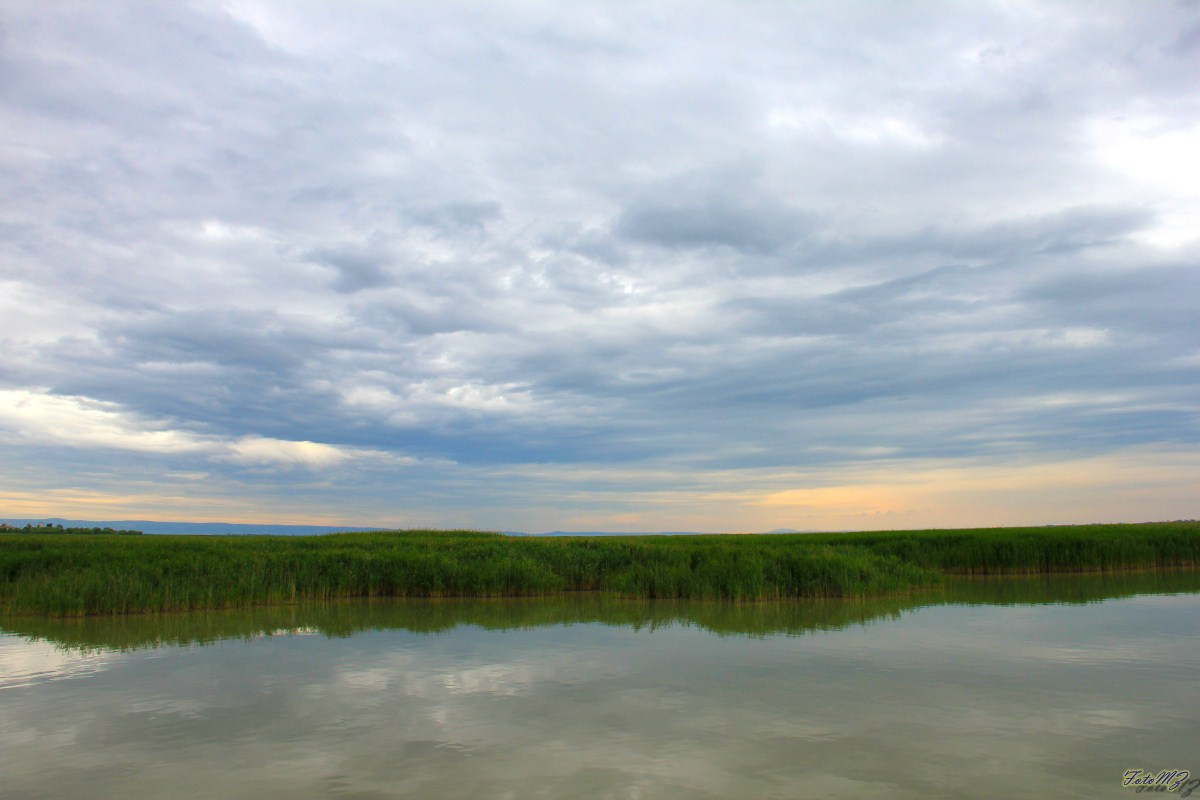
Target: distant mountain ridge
x=651 y=533
x=645 y=533
x=253 y=529
x=192 y=528
x=614 y=533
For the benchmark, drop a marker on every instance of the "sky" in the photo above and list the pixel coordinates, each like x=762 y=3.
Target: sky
x=627 y=266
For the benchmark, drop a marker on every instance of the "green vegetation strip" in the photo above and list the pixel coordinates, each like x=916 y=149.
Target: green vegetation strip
x=73 y=574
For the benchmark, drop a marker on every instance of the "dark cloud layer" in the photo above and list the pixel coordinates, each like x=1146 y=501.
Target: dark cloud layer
x=660 y=239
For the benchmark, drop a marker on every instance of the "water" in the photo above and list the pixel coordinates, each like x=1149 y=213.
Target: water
x=1032 y=688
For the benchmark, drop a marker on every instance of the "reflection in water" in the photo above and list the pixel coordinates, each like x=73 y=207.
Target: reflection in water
x=345 y=618
x=1037 y=687
x=36 y=662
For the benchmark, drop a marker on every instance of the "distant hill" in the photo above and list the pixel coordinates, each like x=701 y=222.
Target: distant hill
x=196 y=528
x=617 y=533
x=640 y=533
x=243 y=529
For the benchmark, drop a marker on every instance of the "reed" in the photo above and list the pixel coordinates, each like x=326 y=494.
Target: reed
x=75 y=575
x=1049 y=549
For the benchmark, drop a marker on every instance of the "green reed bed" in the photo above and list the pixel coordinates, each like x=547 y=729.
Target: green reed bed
x=1050 y=549
x=67 y=575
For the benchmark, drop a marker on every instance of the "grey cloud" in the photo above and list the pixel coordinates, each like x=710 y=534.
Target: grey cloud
x=457 y=217
x=534 y=234
x=422 y=315
x=592 y=244
x=234 y=372
x=716 y=210
x=703 y=225
x=1060 y=232
x=1014 y=243
x=355 y=268
x=1157 y=299
x=1189 y=39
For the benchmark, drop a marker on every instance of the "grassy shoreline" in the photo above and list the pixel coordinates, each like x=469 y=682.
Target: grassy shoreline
x=76 y=575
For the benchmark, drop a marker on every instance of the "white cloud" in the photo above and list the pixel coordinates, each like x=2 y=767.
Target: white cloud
x=36 y=416
x=85 y=422
x=1156 y=158
x=267 y=234
x=259 y=450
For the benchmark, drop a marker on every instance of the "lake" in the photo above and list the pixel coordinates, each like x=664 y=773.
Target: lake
x=1041 y=687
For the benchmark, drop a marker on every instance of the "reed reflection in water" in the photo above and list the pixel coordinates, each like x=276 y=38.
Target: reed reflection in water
x=987 y=688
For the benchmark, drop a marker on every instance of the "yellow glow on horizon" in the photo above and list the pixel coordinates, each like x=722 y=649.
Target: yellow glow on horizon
x=81 y=504
x=1129 y=486
x=1120 y=487
x=1137 y=484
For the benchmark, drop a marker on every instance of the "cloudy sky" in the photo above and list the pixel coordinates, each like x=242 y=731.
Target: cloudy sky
x=616 y=266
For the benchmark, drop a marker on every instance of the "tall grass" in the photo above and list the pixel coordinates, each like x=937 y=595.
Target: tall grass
x=1065 y=548
x=69 y=575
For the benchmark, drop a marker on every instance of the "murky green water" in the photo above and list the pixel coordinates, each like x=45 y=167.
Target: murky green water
x=1032 y=688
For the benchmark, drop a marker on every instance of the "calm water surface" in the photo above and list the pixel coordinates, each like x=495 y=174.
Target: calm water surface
x=1032 y=688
